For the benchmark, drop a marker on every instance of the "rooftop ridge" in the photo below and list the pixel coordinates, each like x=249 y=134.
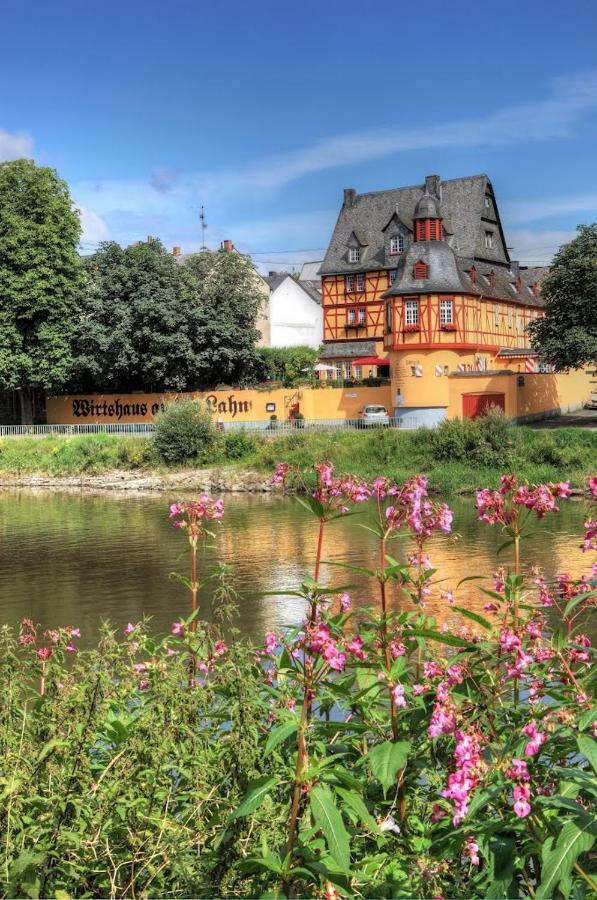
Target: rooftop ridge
x=412 y=187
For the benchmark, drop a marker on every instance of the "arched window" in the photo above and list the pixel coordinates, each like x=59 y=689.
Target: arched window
x=420 y=270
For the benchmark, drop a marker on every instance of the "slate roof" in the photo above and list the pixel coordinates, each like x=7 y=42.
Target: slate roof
x=309 y=271
x=462 y=207
x=348 y=350
x=310 y=288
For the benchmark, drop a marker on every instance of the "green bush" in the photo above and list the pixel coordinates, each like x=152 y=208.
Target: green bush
x=238 y=443
x=486 y=441
x=185 y=432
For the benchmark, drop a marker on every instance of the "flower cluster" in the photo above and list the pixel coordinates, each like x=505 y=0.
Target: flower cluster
x=500 y=507
x=411 y=506
x=193 y=515
x=46 y=642
x=519 y=773
x=537 y=738
x=470 y=768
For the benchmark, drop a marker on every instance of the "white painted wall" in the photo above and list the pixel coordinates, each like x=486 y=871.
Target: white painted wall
x=295 y=318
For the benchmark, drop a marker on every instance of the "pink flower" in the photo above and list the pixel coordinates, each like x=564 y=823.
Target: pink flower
x=282 y=470
x=220 y=648
x=129 y=629
x=398 y=695
x=397 y=648
x=448 y=596
x=44 y=653
x=345 y=602
x=592 y=483
x=537 y=738
x=271 y=642
x=471 y=849
x=522 y=794
x=143 y=685
x=177 y=629
x=356 y=646
x=334 y=658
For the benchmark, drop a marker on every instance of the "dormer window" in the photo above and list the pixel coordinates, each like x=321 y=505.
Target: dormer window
x=354 y=254
x=392 y=275
x=420 y=270
x=489 y=240
x=396 y=244
x=487 y=203
x=473 y=274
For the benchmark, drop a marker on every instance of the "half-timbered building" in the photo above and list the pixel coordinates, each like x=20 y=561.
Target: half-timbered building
x=418 y=285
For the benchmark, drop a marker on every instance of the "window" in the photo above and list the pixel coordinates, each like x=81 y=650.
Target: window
x=358 y=372
x=396 y=244
x=338 y=367
x=496 y=314
x=360 y=283
x=420 y=270
x=435 y=230
x=348 y=369
x=349 y=284
x=446 y=312
x=352 y=316
x=354 y=254
x=362 y=315
x=389 y=322
x=487 y=203
x=489 y=240
x=411 y=312
x=392 y=275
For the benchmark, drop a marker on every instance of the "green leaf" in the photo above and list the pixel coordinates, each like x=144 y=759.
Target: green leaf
x=328 y=818
x=450 y=639
x=356 y=804
x=559 y=855
x=256 y=794
x=588 y=747
x=484 y=623
x=279 y=734
x=470 y=578
x=386 y=759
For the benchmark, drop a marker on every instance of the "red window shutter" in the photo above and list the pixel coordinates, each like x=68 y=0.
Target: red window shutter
x=420 y=270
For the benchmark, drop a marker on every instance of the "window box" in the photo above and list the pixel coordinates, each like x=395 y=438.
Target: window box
x=449 y=326
x=411 y=328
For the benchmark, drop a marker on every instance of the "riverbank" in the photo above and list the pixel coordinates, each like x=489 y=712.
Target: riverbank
x=458 y=457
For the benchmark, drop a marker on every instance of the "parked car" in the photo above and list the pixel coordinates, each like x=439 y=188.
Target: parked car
x=373 y=414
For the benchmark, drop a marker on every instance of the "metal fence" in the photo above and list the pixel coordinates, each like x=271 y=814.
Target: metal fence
x=266 y=429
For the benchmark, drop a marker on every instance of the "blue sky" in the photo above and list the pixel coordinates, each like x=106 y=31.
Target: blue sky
x=264 y=112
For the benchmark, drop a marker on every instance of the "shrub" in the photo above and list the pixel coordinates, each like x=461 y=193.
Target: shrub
x=185 y=432
x=238 y=443
x=486 y=441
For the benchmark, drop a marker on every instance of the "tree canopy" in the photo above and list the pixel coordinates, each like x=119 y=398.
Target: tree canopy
x=291 y=365
x=39 y=279
x=567 y=336
x=148 y=322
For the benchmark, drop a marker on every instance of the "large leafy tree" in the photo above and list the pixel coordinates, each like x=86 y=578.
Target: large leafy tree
x=150 y=323
x=567 y=335
x=230 y=298
x=39 y=279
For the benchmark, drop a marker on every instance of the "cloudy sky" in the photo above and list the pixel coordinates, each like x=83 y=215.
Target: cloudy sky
x=264 y=112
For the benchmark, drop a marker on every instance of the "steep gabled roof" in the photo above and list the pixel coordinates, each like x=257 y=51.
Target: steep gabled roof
x=308 y=287
x=462 y=207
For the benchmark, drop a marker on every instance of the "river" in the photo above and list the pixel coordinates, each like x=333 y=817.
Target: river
x=77 y=559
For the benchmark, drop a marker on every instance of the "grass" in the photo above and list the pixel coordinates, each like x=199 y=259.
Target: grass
x=458 y=457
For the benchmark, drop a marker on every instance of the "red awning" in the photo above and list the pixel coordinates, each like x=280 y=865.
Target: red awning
x=370 y=361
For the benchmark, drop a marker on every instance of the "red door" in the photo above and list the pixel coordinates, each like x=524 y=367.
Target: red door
x=474 y=405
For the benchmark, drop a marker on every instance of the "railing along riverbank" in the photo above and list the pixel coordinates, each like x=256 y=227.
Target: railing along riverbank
x=147 y=429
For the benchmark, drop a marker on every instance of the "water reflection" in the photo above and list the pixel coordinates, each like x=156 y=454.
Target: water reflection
x=78 y=559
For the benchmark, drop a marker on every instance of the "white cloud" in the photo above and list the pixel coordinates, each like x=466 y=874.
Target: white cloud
x=14 y=145
x=536 y=247
x=533 y=210
x=94 y=227
x=170 y=206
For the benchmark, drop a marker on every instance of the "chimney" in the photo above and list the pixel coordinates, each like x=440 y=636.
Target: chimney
x=227 y=245
x=432 y=185
x=349 y=196
x=175 y=251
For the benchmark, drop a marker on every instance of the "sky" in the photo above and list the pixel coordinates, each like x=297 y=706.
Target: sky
x=263 y=112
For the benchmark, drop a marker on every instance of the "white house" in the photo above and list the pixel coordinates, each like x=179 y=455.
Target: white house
x=295 y=313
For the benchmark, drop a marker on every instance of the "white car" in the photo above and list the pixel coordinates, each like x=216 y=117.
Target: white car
x=373 y=414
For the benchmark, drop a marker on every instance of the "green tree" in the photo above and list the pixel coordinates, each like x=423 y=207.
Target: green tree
x=150 y=323
x=567 y=336
x=39 y=280
x=231 y=298
x=140 y=323
x=291 y=365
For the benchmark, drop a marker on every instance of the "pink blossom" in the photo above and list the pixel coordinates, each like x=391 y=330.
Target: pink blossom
x=271 y=642
x=398 y=695
x=70 y=648
x=44 y=653
x=471 y=849
x=396 y=648
x=418 y=689
x=345 y=602
x=432 y=670
x=491 y=607
x=592 y=483
x=448 y=596
x=356 y=646
x=177 y=629
x=220 y=648
x=469 y=770
x=282 y=470
x=143 y=685
x=522 y=795
x=129 y=629
x=334 y=658
x=537 y=738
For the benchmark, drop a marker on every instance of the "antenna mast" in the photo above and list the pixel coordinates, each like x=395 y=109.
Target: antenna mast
x=203 y=227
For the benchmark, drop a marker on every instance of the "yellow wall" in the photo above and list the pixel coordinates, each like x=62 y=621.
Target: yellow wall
x=229 y=406
x=540 y=393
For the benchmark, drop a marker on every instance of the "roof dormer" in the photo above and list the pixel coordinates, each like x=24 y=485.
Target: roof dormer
x=427 y=219
x=356 y=245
